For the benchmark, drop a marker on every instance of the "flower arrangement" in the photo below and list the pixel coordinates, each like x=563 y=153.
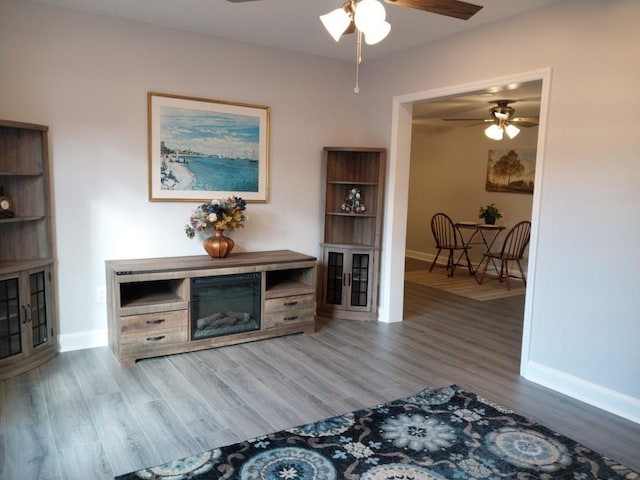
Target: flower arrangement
x=221 y=214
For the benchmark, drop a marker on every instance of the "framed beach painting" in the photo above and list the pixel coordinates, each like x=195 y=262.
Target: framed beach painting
x=203 y=149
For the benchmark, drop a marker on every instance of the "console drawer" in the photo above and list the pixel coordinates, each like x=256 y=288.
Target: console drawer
x=291 y=302
x=151 y=322
x=280 y=319
x=142 y=340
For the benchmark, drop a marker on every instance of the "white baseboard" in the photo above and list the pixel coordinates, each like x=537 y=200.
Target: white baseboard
x=427 y=257
x=79 y=341
x=598 y=396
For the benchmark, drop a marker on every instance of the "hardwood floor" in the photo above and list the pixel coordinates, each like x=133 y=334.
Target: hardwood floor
x=82 y=416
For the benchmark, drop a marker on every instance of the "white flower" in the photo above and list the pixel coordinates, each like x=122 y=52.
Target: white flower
x=467 y=415
x=288 y=473
x=358 y=450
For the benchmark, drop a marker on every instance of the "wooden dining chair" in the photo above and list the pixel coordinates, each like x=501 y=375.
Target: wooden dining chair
x=447 y=238
x=513 y=247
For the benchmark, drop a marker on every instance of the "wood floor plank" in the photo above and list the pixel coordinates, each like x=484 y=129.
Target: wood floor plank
x=222 y=438
x=214 y=391
x=166 y=433
x=94 y=381
x=302 y=402
x=246 y=423
x=66 y=404
x=25 y=405
x=132 y=381
x=84 y=462
x=121 y=434
x=263 y=400
x=183 y=398
x=29 y=452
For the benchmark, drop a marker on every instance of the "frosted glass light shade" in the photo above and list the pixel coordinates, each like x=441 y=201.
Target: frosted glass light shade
x=377 y=35
x=512 y=131
x=336 y=22
x=494 y=132
x=369 y=15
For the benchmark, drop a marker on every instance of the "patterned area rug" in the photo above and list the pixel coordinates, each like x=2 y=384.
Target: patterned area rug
x=437 y=434
x=464 y=284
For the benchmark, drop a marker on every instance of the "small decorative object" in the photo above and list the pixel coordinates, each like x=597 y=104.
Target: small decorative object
x=6 y=205
x=490 y=213
x=221 y=215
x=353 y=203
x=218 y=246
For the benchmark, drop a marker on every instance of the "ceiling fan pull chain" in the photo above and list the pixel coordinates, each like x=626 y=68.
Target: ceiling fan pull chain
x=356 y=89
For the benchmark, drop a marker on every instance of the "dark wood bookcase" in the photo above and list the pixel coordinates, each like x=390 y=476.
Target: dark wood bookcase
x=28 y=314
x=350 y=247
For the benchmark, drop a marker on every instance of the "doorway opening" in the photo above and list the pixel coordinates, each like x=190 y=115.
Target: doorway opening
x=395 y=235
x=453 y=163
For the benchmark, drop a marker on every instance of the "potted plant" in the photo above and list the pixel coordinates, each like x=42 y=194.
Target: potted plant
x=490 y=213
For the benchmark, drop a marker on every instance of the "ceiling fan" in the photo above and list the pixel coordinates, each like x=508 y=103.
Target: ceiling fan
x=502 y=120
x=367 y=18
x=450 y=8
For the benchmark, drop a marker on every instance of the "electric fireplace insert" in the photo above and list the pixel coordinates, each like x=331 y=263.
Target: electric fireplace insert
x=225 y=305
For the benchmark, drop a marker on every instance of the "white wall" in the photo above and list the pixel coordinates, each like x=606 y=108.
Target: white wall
x=87 y=77
x=582 y=330
x=447 y=174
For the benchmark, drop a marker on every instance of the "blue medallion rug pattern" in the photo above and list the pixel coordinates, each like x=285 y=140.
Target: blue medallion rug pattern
x=437 y=434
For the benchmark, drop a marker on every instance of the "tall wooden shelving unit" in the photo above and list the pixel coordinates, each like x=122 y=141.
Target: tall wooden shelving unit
x=350 y=247
x=28 y=322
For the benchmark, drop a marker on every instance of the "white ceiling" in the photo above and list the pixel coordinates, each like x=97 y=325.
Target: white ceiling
x=477 y=105
x=294 y=24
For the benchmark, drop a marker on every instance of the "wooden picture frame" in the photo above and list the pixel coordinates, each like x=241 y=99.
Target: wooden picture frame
x=202 y=149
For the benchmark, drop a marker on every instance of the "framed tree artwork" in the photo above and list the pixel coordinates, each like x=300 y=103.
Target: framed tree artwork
x=511 y=170
x=201 y=149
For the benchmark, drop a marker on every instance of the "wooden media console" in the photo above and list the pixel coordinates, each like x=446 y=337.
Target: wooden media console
x=162 y=306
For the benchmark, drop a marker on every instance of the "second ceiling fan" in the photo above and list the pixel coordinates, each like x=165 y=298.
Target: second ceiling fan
x=503 y=120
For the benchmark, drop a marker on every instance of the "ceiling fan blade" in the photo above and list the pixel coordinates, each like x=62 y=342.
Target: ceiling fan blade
x=450 y=8
x=520 y=121
x=525 y=122
x=468 y=120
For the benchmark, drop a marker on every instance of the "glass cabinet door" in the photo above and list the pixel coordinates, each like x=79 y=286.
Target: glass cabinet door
x=348 y=279
x=335 y=277
x=38 y=309
x=360 y=280
x=10 y=322
x=24 y=314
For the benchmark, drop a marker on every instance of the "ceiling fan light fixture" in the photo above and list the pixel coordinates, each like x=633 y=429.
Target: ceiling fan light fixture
x=369 y=15
x=380 y=33
x=512 y=131
x=494 y=132
x=336 y=22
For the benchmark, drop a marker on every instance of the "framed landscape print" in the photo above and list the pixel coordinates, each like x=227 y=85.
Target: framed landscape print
x=203 y=149
x=511 y=171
